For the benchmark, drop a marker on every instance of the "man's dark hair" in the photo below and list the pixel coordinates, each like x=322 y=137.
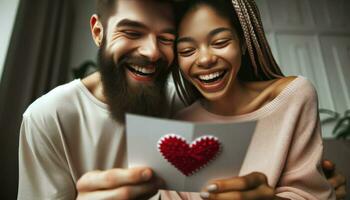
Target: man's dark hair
x=106 y=8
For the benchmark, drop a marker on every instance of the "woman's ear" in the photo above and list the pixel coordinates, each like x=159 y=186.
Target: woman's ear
x=96 y=29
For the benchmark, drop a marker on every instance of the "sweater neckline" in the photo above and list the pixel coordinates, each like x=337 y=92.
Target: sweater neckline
x=262 y=111
x=89 y=95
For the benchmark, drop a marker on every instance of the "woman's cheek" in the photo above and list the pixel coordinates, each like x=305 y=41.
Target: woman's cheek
x=185 y=64
x=231 y=52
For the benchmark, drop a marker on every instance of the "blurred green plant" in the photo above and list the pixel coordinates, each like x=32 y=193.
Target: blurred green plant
x=342 y=127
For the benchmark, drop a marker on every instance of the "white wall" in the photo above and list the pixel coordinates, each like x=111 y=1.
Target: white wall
x=8 y=11
x=312 y=38
x=82 y=47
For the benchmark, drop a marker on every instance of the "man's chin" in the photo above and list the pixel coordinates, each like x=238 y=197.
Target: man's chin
x=142 y=97
x=141 y=100
x=132 y=89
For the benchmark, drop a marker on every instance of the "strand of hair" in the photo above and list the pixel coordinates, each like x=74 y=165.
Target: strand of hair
x=246 y=34
x=260 y=54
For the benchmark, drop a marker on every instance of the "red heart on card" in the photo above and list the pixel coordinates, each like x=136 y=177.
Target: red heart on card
x=188 y=158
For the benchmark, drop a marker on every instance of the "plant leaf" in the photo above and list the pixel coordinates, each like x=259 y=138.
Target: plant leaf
x=341 y=123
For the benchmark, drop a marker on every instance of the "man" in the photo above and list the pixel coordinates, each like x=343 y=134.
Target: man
x=78 y=127
x=69 y=131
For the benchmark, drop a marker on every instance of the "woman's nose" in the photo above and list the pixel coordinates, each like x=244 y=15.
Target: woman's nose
x=206 y=58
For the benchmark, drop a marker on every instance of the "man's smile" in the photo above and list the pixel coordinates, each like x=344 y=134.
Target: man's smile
x=140 y=73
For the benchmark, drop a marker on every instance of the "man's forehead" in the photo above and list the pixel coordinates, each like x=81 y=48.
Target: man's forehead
x=152 y=12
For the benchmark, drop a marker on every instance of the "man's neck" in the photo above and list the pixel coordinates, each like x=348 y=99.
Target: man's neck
x=94 y=85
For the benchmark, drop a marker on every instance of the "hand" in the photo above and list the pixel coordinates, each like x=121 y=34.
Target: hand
x=134 y=183
x=336 y=180
x=251 y=186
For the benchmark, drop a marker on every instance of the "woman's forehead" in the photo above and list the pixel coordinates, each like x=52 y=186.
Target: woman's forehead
x=201 y=19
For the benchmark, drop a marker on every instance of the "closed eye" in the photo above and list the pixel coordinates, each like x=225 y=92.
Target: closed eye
x=221 y=43
x=186 y=52
x=132 y=34
x=166 y=40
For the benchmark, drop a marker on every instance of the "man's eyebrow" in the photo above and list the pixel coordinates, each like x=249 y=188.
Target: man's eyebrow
x=136 y=24
x=169 y=30
x=131 y=23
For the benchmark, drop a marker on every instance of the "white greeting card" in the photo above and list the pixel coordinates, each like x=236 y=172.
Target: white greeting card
x=187 y=155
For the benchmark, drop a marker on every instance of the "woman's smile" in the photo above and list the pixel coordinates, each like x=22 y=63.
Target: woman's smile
x=213 y=81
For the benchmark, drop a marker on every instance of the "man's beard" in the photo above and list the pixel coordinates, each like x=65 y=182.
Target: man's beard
x=144 y=99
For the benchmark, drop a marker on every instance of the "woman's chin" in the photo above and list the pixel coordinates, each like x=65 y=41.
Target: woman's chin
x=213 y=96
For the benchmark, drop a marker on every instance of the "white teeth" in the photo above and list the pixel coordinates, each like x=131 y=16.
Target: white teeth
x=143 y=69
x=210 y=76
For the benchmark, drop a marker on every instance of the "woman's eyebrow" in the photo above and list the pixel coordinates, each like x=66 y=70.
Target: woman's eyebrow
x=185 y=39
x=219 y=30
x=211 y=34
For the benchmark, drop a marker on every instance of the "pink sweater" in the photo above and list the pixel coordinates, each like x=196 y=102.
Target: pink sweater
x=286 y=147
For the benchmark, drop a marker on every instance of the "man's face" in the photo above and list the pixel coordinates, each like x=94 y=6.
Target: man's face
x=144 y=31
x=135 y=56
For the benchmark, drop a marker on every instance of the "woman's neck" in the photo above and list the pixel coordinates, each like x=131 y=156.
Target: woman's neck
x=243 y=98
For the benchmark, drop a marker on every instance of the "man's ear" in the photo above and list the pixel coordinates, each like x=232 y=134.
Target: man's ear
x=96 y=29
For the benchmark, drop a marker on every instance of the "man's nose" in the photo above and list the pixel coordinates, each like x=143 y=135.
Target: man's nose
x=206 y=58
x=149 y=48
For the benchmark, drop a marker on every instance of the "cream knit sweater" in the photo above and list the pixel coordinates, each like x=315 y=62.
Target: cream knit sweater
x=286 y=146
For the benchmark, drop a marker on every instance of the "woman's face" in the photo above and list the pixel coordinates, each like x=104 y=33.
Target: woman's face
x=209 y=52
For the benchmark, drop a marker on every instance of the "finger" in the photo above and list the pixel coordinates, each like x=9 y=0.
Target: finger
x=249 y=181
x=98 y=194
x=340 y=192
x=222 y=196
x=262 y=192
x=113 y=178
x=337 y=180
x=327 y=164
x=142 y=191
x=328 y=167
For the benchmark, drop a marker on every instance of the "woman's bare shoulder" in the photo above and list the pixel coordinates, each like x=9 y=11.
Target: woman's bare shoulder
x=273 y=86
x=268 y=90
x=280 y=84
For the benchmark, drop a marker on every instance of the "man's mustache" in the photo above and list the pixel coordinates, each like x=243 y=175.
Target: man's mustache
x=142 y=62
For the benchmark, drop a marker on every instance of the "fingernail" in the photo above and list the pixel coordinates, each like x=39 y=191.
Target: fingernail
x=204 y=195
x=212 y=187
x=146 y=174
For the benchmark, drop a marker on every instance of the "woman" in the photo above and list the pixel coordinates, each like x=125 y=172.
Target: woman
x=228 y=74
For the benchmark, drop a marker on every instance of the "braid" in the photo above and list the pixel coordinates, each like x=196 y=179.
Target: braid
x=258 y=50
x=262 y=37
x=246 y=33
x=249 y=17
